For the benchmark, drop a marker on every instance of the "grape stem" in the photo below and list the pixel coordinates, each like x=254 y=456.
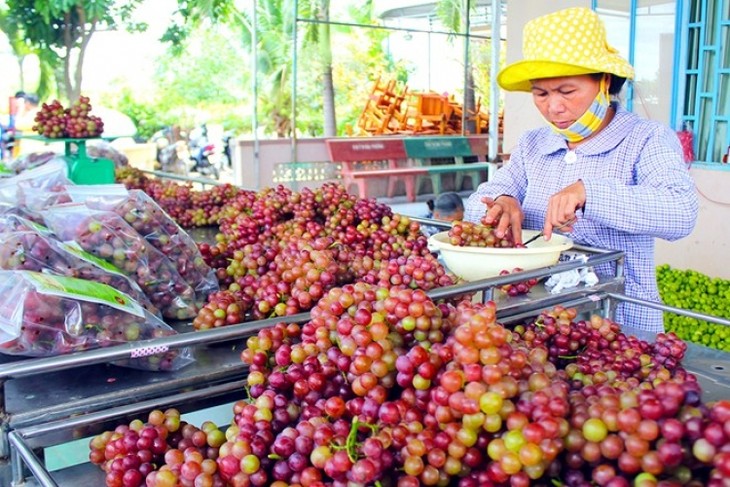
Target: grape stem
x=248 y=399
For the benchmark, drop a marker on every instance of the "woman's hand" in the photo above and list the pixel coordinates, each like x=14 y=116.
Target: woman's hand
x=562 y=207
x=504 y=213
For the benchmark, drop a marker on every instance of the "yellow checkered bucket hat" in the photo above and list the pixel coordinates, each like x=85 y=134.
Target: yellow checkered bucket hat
x=565 y=43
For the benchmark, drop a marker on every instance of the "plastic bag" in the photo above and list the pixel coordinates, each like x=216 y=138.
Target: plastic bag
x=39 y=188
x=42 y=315
x=157 y=228
x=570 y=279
x=17 y=220
x=102 y=148
x=107 y=236
x=686 y=140
x=32 y=248
x=30 y=161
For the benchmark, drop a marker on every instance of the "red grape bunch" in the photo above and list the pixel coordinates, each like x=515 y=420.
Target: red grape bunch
x=54 y=121
x=51 y=120
x=517 y=288
x=79 y=123
x=466 y=234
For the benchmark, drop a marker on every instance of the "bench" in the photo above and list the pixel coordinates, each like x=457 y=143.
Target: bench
x=406 y=174
x=373 y=157
x=471 y=169
x=408 y=160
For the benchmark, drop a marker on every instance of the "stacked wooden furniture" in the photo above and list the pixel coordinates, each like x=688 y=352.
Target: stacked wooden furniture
x=390 y=110
x=380 y=115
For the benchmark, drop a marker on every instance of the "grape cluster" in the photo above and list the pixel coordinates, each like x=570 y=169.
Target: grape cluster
x=54 y=121
x=131 y=454
x=417 y=272
x=467 y=234
x=223 y=308
x=384 y=385
x=517 y=288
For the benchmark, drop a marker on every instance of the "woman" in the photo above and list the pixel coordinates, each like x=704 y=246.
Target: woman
x=622 y=177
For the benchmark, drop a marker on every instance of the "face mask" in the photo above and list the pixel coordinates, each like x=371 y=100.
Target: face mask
x=589 y=122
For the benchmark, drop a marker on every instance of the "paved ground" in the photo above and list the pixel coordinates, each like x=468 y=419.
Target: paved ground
x=417 y=208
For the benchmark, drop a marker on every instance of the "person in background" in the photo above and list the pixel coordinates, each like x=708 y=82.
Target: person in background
x=622 y=177
x=24 y=121
x=447 y=207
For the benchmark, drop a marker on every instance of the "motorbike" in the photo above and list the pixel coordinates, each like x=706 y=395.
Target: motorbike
x=169 y=152
x=201 y=153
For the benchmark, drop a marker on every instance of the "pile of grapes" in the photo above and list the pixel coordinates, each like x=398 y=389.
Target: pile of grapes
x=189 y=208
x=467 y=234
x=54 y=121
x=280 y=251
x=385 y=387
x=695 y=291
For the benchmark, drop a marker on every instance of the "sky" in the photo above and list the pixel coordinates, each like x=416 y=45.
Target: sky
x=111 y=55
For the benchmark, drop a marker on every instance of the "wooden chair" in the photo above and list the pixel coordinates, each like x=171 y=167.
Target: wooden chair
x=431 y=108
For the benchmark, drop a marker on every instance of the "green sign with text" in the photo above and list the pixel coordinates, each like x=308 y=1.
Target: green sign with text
x=430 y=147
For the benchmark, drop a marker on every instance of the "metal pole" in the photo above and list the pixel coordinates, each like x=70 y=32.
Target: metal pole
x=670 y=309
x=294 y=83
x=494 y=87
x=467 y=7
x=22 y=453
x=255 y=94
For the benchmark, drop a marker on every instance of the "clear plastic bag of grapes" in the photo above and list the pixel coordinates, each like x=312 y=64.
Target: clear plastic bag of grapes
x=26 y=162
x=19 y=220
x=106 y=235
x=39 y=188
x=43 y=315
x=143 y=214
x=35 y=249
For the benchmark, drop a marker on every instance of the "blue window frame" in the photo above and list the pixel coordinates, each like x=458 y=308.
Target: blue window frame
x=706 y=76
x=692 y=83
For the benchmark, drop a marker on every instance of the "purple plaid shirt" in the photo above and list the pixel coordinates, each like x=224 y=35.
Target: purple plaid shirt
x=637 y=188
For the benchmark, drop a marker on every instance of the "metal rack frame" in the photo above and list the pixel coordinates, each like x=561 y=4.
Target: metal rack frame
x=34 y=422
x=25 y=440
x=218 y=375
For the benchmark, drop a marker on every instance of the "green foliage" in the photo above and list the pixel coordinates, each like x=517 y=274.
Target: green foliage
x=205 y=84
x=692 y=290
x=211 y=78
x=146 y=116
x=62 y=29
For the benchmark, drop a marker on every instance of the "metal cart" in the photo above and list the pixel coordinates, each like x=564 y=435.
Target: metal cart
x=51 y=401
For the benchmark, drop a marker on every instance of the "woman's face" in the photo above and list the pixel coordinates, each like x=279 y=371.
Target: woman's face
x=562 y=101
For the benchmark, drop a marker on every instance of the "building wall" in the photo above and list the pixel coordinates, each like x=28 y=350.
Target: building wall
x=705 y=248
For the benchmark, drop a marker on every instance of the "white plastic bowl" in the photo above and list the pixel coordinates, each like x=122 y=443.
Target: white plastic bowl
x=474 y=263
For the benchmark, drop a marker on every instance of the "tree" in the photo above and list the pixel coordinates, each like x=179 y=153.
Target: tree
x=451 y=14
x=60 y=30
x=274 y=26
